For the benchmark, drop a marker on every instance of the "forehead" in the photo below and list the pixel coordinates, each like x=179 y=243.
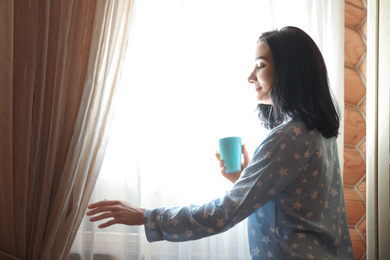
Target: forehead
x=262 y=51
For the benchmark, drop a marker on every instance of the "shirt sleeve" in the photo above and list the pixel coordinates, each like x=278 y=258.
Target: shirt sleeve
x=275 y=156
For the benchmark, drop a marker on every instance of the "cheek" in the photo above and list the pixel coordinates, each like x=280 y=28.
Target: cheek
x=269 y=75
x=266 y=79
x=266 y=74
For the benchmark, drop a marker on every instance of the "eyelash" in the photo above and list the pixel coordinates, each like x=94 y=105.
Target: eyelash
x=260 y=67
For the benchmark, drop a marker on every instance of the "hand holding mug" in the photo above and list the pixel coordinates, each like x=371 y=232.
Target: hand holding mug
x=229 y=156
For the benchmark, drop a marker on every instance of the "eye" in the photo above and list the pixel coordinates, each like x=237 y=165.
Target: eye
x=260 y=64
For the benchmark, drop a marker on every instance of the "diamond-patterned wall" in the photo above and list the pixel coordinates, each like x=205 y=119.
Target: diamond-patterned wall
x=355 y=122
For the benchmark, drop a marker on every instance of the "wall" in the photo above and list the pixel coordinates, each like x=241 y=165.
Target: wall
x=355 y=122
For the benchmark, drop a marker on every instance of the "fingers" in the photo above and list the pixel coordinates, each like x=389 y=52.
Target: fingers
x=101 y=216
x=115 y=219
x=121 y=213
x=246 y=156
x=104 y=206
x=223 y=171
x=220 y=161
x=107 y=215
x=108 y=223
x=217 y=156
x=103 y=203
x=101 y=210
x=108 y=208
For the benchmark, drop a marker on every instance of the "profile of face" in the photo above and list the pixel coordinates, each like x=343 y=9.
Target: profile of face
x=262 y=74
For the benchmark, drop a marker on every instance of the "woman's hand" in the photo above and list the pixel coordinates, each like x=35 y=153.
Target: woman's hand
x=233 y=177
x=119 y=212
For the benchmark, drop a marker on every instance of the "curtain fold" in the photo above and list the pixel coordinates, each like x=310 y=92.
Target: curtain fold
x=6 y=81
x=60 y=64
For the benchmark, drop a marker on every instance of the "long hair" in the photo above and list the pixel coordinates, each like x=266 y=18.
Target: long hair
x=300 y=83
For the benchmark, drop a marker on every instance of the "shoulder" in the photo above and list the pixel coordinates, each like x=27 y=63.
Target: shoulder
x=290 y=130
x=292 y=127
x=290 y=136
x=285 y=138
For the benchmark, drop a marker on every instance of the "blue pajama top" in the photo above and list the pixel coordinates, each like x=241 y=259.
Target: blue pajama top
x=291 y=192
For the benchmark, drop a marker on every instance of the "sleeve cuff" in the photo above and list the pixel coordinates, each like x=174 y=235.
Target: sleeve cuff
x=152 y=225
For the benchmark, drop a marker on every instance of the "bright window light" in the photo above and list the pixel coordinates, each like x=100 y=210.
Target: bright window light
x=183 y=86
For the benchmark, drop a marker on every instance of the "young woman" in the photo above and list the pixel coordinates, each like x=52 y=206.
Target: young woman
x=291 y=191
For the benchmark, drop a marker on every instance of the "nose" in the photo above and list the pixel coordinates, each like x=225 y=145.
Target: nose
x=252 y=77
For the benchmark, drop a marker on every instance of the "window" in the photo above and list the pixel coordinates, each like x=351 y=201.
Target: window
x=184 y=86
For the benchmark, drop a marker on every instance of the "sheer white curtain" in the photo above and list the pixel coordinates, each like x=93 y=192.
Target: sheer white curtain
x=184 y=86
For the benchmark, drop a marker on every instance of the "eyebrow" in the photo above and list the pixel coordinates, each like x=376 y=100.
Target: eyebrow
x=261 y=58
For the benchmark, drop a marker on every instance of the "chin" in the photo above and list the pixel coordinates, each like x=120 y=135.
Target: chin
x=264 y=102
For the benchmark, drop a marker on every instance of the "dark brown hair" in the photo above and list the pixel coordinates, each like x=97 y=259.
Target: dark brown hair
x=300 y=84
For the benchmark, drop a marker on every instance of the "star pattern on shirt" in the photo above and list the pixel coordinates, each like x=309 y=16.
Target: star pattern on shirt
x=297 y=131
x=334 y=227
x=312 y=200
x=256 y=251
x=189 y=233
x=175 y=220
x=334 y=192
x=259 y=183
x=271 y=192
x=319 y=153
x=267 y=154
x=150 y=225
x=297 y=205
x=282 y=171
x=314 y=195
x=205 y=216
x=221 y=222
x=266 y=240
x=326 y=204
x=257 y=205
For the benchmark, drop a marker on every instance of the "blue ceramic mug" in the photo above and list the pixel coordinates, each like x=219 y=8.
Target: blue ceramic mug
x=230 y=151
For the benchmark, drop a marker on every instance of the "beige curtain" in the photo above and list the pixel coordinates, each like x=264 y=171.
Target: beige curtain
x=59 y=64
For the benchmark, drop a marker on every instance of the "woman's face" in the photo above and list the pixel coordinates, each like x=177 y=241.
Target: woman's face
x=262 y=74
